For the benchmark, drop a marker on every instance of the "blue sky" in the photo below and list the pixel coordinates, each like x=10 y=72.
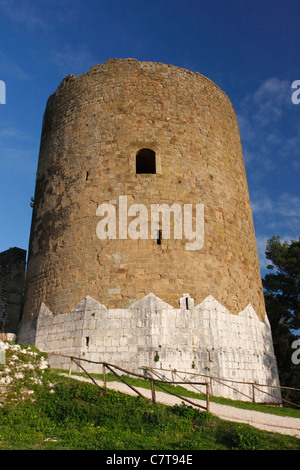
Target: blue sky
x=249 y=48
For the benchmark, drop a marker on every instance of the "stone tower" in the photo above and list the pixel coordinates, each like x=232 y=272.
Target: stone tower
x=122 y=135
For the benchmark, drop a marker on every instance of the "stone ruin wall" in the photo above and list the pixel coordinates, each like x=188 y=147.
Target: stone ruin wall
x=204 y=339
x=12 y=278
x=94 y=125
x=81 y=287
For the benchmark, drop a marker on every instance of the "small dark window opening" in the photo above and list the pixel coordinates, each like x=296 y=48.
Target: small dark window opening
x=159 y=236
x=87 y=341
x=87 y=176
x=145 y=161
x=187 y=303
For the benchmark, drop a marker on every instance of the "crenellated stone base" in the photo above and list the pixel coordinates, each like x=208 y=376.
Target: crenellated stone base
x=205 y=339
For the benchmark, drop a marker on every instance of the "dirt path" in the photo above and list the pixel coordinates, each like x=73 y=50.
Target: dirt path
x=264 y=421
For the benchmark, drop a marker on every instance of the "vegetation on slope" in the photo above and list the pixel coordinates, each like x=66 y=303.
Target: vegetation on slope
x=43 y=410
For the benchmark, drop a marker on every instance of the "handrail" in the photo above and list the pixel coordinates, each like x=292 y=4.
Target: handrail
x=222 y=380
x=156 y=382
x=184 y=382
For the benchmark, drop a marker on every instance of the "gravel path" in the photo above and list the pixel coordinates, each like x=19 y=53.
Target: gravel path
x=264 y=421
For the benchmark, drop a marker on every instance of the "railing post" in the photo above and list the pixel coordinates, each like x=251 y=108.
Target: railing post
x=104 y=376
x=207 y=396
x=153 y=391
x=253 y=393
x=70 y=366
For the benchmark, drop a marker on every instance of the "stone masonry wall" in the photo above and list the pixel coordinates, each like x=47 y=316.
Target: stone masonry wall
x=117 y=299
x=12 y=278
x=93 y=127
x=204 y=339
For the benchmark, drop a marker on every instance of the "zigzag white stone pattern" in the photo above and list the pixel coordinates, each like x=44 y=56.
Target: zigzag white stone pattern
x=205 y=339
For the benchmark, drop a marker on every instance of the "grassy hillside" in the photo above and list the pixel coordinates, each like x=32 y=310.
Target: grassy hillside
x=42 y=410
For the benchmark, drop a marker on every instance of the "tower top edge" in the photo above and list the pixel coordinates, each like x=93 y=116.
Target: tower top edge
x=150 y=66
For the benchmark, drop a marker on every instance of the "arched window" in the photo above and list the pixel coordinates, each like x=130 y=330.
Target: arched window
x=145 y=161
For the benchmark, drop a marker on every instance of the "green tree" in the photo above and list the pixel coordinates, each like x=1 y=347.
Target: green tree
x=282 y=297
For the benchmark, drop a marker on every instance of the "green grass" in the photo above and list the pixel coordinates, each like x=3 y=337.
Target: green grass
x=139 y=382
x=46 y=411
x=77 y=417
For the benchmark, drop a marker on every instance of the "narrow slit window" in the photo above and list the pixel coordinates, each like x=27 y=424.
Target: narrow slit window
x=145 y=161
x=187 y=303
x=159 y=237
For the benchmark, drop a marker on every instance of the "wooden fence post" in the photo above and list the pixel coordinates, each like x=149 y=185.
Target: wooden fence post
x=104 y=376
x=253 y=393
x=70 y=366
x=207 y=396
x=153 y=391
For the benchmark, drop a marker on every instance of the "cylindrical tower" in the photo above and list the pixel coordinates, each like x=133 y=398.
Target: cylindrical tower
x=144 y=133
